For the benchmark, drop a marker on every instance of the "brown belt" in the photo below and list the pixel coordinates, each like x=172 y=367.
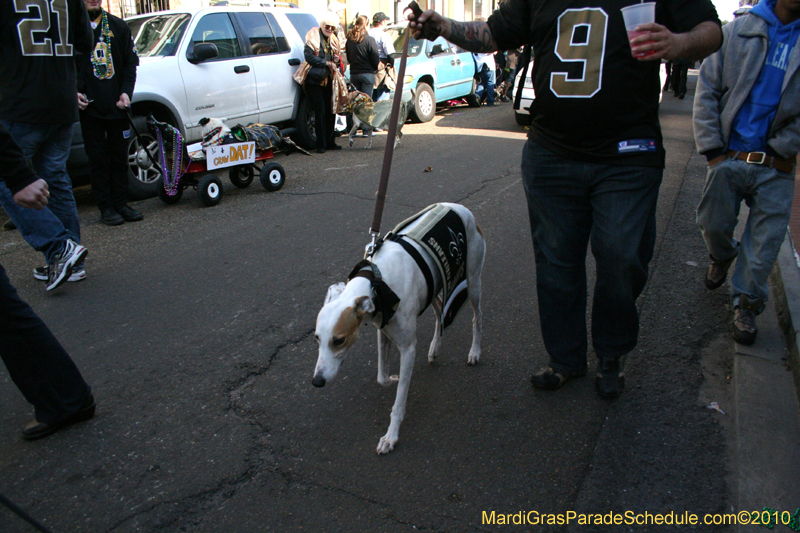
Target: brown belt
x=761 y=158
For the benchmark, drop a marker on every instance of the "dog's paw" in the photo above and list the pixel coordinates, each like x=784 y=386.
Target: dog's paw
x=384 y=380
x=386 y=445
x=474 y=358
x=351 y=142
x=394 y=378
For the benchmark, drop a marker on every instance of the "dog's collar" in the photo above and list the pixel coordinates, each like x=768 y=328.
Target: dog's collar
x=384 y=298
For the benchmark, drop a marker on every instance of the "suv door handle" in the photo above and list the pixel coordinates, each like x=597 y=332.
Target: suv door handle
x=241 y=69
x=294 y=62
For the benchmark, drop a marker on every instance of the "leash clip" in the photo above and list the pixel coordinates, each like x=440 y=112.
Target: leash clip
x=372 y=247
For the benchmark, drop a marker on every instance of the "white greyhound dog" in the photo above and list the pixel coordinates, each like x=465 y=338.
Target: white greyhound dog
x=347 y=305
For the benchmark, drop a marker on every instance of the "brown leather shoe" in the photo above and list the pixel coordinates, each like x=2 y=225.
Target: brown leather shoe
x=37 y=430
x=717 y=273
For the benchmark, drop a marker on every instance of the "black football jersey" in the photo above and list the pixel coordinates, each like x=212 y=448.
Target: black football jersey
x=38 y=40
x=594 y=101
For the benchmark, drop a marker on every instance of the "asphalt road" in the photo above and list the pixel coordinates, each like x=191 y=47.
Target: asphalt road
x=195 y=328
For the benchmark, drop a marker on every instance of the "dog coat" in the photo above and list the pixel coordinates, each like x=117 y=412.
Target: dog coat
x=377 y=114
x=440 y=232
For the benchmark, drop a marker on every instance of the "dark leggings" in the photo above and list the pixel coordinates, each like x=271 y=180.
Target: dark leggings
x=324 y=118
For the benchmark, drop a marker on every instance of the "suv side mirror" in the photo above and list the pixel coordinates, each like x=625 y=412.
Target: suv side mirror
x=203 y=52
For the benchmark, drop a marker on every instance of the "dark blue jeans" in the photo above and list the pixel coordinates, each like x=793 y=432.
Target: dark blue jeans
x=570 y=204
x=36 y=361
x=46 y=146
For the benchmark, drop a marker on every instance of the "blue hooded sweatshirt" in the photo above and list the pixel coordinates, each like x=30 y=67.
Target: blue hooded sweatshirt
x=751 y=125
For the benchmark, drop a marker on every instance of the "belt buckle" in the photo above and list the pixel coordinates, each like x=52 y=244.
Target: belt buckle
x=751 y=158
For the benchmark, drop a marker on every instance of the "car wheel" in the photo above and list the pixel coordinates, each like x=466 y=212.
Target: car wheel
x=209 y=190
x=472 y=98
x=305 y=134
x=272 y=176
x=144 y=179
x=424 y=104
x=523 y=119
x=241 y=176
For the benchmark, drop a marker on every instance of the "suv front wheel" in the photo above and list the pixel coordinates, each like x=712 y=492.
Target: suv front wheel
x=144 y=179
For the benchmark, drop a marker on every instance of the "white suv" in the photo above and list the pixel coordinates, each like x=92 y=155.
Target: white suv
x=232 y=63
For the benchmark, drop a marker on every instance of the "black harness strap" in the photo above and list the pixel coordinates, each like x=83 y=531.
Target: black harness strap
x=383 y=297
x=423 y=266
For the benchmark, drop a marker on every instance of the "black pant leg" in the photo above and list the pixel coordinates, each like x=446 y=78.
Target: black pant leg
x=94 y=142
x=36 y=361
x=118 y=133
x=317 y=100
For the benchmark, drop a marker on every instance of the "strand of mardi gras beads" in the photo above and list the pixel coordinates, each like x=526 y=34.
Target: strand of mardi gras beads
x=105 y=37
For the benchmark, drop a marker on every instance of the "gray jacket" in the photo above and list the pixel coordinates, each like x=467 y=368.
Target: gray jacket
x=728 y=76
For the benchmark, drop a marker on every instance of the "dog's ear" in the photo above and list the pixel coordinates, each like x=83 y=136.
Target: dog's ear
x=203 y=121
x=334 y=291
x=364 y=305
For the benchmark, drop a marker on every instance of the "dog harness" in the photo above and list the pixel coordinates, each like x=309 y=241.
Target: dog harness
x=383 y=297
x=439 y=231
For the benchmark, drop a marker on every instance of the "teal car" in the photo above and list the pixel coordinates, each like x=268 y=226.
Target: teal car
x=437 y=71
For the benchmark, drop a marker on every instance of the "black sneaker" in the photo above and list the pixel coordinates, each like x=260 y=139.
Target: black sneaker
x=717 y=272
x=61 y=268
x=109 y=217
x=9 y=225
x=549 y=379
x=128 y=213
x=744 y=320
x=334 y=147
x=610 y=380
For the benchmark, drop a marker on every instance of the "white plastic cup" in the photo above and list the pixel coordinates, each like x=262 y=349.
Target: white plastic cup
x=636 y=15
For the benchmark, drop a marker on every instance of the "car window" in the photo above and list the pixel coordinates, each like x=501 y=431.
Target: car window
x=302 y=22
x=217 y=29
x=438 y=47
x=415 y=46
x=280 y=38
x=259 y=33
x=158 y=35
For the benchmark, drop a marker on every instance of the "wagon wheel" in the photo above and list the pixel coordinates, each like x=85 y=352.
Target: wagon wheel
x=272 y=176
x=209 y=190
x=241 y=176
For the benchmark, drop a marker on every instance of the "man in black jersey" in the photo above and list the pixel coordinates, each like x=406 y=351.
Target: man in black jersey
x=105 y=86
x=36 y=361
x=38 y=107
x=594 y=159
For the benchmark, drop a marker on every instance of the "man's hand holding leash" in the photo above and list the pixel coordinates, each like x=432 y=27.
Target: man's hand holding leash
x=124 y=101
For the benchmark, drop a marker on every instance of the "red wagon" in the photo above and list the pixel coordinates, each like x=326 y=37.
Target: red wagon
x=180 y=171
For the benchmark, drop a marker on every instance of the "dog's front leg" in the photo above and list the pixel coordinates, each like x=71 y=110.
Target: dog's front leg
x=353 y=130
x=369 y=139
x=384 y=349
x=387 y=442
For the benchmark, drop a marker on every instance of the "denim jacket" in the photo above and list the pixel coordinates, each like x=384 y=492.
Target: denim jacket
x=726 y=79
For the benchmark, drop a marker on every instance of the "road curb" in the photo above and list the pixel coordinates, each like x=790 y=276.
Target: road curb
x=785 y=280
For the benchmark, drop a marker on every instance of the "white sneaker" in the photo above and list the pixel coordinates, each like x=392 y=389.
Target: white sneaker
x=61 y=268
x=42 y=273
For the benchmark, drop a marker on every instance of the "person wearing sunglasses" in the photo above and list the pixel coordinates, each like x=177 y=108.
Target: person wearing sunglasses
x=322 y=53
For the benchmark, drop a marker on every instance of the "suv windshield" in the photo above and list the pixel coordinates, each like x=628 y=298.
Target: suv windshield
x=158 y=35
x=415 y=46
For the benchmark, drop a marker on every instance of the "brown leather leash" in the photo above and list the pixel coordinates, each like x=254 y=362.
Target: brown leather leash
x=380 y=201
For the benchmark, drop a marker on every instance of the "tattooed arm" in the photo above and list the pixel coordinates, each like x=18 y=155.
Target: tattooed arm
x=473 y=36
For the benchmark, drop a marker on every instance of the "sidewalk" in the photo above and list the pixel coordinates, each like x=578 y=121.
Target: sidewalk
x=767 y=393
